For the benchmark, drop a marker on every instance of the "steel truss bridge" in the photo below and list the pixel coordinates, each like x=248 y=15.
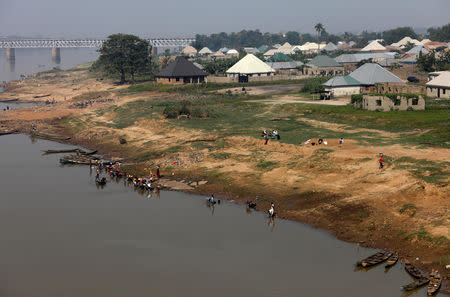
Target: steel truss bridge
x=86 y=43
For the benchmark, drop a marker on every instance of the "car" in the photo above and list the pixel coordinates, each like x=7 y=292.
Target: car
x=413 y=79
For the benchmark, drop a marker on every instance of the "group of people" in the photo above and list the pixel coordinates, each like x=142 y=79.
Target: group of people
x=320 y=141
x=266 y=135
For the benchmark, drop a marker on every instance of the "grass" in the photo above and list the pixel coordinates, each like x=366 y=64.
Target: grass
x=428 y=171
x=266 y=165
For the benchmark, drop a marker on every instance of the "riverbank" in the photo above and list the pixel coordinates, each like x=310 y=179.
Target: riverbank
x=339 y=188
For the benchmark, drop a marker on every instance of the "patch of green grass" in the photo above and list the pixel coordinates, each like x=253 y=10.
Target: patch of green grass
x=427 y=170
x=266 y=165
x=406 y=206
x=221 y=156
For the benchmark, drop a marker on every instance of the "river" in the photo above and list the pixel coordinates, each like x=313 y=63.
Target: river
x=33 y=60
x=63 y=236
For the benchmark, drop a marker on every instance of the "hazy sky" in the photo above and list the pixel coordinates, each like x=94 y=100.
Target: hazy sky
x=98 y=18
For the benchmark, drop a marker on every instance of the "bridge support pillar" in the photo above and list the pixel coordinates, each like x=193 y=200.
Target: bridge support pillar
x=56 y=55
x=11 y=53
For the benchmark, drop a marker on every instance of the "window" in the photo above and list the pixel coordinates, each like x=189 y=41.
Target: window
x=443 y=91
x=177 y=79
x=378 y=102
x=415 y=101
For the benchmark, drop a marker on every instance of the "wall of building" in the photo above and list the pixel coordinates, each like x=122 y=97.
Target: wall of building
x=386 y=104
x=343 y=91
x=399 y=88
x=180 y=80
x=325 y=71
x=436 y=92
x=226 y=79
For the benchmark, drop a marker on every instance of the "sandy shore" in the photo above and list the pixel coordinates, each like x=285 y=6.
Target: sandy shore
x=340 y=190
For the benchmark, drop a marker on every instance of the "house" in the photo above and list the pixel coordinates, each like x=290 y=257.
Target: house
x=405 y=40
x=263 y=48
x=224 y=50
x=350 y=61
x=323 y=66
x=218 y=55
x=251 y=50
x=280 y=57
x=285 y=66
x=342 y=86
x=418 y=49
x=233 y=53
x=330 y=47
x=249 y=66
x=384 y=103
x=189 y=51
x=370 y=73
x=373 y=46
x=181 y=71
x=205 y=51
x=439 y=86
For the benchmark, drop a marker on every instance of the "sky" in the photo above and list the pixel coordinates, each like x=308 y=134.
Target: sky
x=171 y=18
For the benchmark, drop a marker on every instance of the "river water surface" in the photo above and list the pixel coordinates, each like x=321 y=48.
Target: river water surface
x=63 y=236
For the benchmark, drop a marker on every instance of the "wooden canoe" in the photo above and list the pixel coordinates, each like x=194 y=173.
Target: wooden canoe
x=435 y=283
x=391 y=261
x=74 y=161
x=62 y=151
x=374 y=259
x=416 y=284
x=413 y=270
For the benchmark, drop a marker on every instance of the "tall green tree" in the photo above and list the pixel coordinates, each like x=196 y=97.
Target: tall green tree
x=125 y=54
x=440 y=34
x=394 y=35
x=319 y=29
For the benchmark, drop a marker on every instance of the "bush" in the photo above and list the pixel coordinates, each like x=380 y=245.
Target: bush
x=185 y=107
x=170 y=112
x=314 y=85
x=357 y=98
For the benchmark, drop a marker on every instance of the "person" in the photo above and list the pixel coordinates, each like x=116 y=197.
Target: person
x=341 y=141
x=278 y=134
x=158 y=174
x=266 y=139
x=325 y=142
x=320 y=141
x=272 y=210
x=381 y=161
x=308 y=141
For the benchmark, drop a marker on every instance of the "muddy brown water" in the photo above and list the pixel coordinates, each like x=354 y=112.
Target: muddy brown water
x=63 y=236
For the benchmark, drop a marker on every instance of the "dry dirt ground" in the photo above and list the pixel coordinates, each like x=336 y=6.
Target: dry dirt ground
x=340 y=189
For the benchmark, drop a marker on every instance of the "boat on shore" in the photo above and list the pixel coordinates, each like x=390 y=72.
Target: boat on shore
x=416 y=284
x=9 y=100
x=374 y=259
x=75 y=161
x=413 y=270
x=391 y=261
x=435 y=283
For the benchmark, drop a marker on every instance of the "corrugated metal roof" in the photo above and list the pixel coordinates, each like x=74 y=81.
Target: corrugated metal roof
x=323 y=61
x=250 y=65
x=285 y=65
x=330 y=47
x=442 y=80
x=342 y=81
x=355 y=58
x=371 y=73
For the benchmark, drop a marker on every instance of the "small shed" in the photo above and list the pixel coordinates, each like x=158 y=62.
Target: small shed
x=439 y=87
x=342 y=86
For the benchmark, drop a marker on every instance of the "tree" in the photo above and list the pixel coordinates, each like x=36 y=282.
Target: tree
x=319 y=28
x=166 y=59
x=440 y=34
x=124 y=54
x=397 y=34
x=426 y=61
x=293 y=37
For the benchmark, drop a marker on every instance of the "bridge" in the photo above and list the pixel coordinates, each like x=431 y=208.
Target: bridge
x=57 y=44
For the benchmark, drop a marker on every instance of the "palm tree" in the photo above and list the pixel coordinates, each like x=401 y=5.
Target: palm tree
x=319 y=28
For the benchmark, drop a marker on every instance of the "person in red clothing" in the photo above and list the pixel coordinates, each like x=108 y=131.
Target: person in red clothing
x=158 y=174
x=381 y=161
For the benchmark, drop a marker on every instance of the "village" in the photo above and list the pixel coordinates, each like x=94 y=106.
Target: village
x=349 y=139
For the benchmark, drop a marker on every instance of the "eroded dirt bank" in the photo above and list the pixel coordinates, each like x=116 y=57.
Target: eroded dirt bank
x=338 y=188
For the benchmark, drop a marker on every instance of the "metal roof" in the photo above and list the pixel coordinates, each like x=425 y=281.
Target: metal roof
x=342 y=81
x=371 y=73
x=285 y=65
x=330 y=47
x=323 y=61
x=250 y=65
x=355 y=58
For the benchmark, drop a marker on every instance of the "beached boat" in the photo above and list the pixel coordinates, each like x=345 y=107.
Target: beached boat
x=435 y=283
x=374 y=259
x=9 y=100
x=391 y=261
x=416 y=284
x=413 y=270
x=62 y=151
x=8 y=132
x=68 y=160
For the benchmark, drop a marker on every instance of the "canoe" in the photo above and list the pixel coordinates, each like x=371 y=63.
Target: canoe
x=391 y=261
x=62 y=151
x=7 y=132
x=9 y=100
x=413 y=270
x=435 y=283
x=374 y=259
x=416 y=284
x=73 y=161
